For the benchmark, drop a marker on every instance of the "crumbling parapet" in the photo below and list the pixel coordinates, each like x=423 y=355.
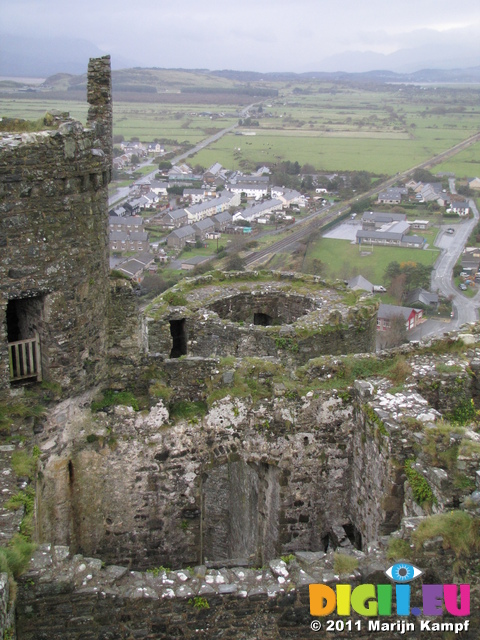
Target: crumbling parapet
x=54 y=243
x=99 y=96
x=293 y=317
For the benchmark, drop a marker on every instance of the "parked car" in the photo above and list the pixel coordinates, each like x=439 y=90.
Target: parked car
x=450 y=230
x=462 y=286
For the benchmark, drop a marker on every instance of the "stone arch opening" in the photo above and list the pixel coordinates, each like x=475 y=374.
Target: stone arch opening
x=262 y=319
x=178 y=331
x=240 y=513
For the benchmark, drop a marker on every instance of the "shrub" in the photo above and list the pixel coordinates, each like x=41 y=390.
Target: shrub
x=187 y=410
x=15 y=558
x=23 y=464
x=344 y=564
x=460 y=532
x=112 y=398
x=199 y=603
x=399 y=549
x=422 y=492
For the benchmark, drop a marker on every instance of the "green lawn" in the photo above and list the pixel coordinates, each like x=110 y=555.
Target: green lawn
x=344 y=260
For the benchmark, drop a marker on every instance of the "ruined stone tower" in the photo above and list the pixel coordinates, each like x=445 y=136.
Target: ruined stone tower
x=53 y=244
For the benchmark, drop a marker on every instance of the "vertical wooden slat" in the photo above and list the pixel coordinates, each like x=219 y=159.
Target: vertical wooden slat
x=23 y=349
x=10 y=360
x=17 y=361
x=38 y=359
x=31 y=363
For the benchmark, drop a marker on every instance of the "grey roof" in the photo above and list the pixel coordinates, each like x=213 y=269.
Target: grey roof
x=203 y=225
x=177 y=214
x=215 y=168
x=144 y=257
x=138 y=202
x=222 y=217
x=391 y=311
x=263 y=207
x=359 y=282
x=209 y=204
x=119 y=211
x=138 y=236
x=183 y=232
x=390 y=235
x=393 y=192
x=250 y=186
x=128 y=221
x=131 y=267
x=382 y=217
x=118 y=236
x=423 y=296
x=288 y=194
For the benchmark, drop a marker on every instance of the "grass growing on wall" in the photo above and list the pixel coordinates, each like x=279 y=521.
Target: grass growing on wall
x=460 y=532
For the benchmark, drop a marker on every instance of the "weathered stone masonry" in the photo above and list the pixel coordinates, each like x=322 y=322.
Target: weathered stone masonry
x=53 y=239
x=273 y=460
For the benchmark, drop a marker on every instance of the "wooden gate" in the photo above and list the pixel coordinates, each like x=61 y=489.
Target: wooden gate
x=24 y=358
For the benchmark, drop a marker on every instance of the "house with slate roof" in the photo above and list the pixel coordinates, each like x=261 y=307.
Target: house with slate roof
x=359 y=283
x=386 y=312
x=179 y=238
x=173 y=219
x=392 y=196
x=202 y=227
x=422 y=298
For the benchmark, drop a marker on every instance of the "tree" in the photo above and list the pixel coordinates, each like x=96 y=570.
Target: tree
x=164 y=165
x=397 y=287
x=360 y=181
x=307 y=183
x=364 y=204
x=176 y=190
x=235 y=263
x=392 y=270
x=396 y=334
x=464 y=190
x=117 y=139
x=134 y=159
x=319 y=267
x=422 y=175
x=416 y=274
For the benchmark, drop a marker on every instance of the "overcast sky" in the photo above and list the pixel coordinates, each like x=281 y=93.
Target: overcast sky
x=258 y=35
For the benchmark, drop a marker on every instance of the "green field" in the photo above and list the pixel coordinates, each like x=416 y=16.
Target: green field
x=465 y=164
x=344 y=260
x=379 y=128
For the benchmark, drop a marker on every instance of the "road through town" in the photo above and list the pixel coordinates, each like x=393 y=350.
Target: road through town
x=465 y=308
x=123 y=192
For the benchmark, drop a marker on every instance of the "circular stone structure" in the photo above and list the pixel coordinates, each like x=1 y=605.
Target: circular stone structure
x=272 y=314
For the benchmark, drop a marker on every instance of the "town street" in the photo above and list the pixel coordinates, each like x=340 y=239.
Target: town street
x=123 y=192
x=465 y=309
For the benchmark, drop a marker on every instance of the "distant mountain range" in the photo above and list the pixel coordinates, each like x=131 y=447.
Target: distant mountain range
x=42 y=57
x=468 y=75
x=456 y=54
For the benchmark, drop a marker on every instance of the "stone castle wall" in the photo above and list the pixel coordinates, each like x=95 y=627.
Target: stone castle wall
x=293 y=317
x=53 y=239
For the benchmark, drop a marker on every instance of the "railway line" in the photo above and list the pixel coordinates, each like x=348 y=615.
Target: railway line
x=321 y=217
